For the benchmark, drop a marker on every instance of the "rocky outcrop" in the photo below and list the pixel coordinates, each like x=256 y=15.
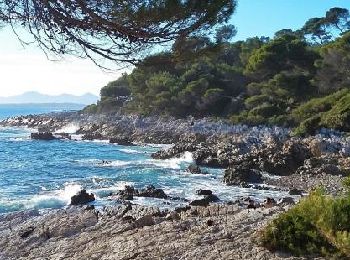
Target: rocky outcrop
x=82 y=197
x=121 y=140
x=149 y=191
x=76 y=233
x=204 y=202
x=242 y=176
x=46 y=136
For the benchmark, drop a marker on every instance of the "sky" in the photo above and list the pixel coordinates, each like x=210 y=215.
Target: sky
x=27 y=68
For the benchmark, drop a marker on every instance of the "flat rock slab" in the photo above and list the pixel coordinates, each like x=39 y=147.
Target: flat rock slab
x=214 y=232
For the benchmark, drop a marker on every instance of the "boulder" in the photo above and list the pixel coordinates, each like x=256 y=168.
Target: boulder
x=151 y=192
x=295 y=192
x=47 y=136
x=205 y=201
x=194 y=169
x=204 y=192
x=200 y=202
x=145 y=221
x=241 y=176
x=269 y=203
x=82 y=197
x=286 y=201
x=121 y=141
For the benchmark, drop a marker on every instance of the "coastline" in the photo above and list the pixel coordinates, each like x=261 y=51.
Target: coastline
x=251 y=156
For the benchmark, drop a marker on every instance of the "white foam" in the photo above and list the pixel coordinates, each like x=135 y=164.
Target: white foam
x=173 y=163
x=69 y=129
x=131 y=151
x=70 y=189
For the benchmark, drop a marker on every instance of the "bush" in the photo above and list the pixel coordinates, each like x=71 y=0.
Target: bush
x=308 y=126
x=317 y=105
x=338 y=117
x=317 y=225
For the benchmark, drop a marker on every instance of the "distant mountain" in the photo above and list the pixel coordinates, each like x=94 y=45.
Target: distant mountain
x=36 y=97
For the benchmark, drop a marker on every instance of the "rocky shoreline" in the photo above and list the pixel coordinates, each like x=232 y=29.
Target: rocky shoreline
x=253 y=157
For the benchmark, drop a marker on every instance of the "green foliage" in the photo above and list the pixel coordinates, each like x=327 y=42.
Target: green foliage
x=338 y=117
x=287 y=81
x=317 y=225
x=117 y=88
x=281 y=54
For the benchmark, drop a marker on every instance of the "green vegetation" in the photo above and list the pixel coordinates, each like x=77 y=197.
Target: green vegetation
x=298 y=79
x=318 y=225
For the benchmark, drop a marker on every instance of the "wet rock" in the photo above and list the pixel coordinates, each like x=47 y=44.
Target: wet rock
x=127 y=193
x=121 y=141
x=205 y=201
x=92 y=136
x=242 y=176
x=286 y=201
x=295 y=192
x=200 y=202
x=204 y=192
x=269 y=203
x=194 y=169
x=149 y=191
x=46 y=136
x=152 y=192
x=82 y=198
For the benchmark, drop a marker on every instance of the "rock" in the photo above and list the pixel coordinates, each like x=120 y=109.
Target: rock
x=92 y=136
x=295 y=192
x=242 y=176
x=211 y=198
x=26 y=232
x=204 y=192
x=82 y=198
x=205 y=201
x=252 y=204
x=286 y=201
x=194 y=169
x=182 y=209
x=121 y=141
x=210 y=222
x=127 y=193
x=200 y=202
x=47 y=136
x=152 y=192
x=173 y=216
x=269 y=203
x=145 y=221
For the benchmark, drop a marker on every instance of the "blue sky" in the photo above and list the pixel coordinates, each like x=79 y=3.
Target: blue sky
x=265 y=17
x=26 y=69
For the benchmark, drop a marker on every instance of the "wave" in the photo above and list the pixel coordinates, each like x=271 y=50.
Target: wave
x=131 y=151
x=173 y=163
x=69 y=129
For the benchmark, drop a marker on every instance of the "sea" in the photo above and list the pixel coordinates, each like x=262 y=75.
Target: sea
x=44 y=175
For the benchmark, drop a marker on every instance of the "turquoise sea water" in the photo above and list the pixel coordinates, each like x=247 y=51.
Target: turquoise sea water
x=42 y=175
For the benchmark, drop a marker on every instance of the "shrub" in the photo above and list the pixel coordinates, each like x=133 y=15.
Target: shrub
x=317 y=105
x=318 y=225
x=308 y=126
